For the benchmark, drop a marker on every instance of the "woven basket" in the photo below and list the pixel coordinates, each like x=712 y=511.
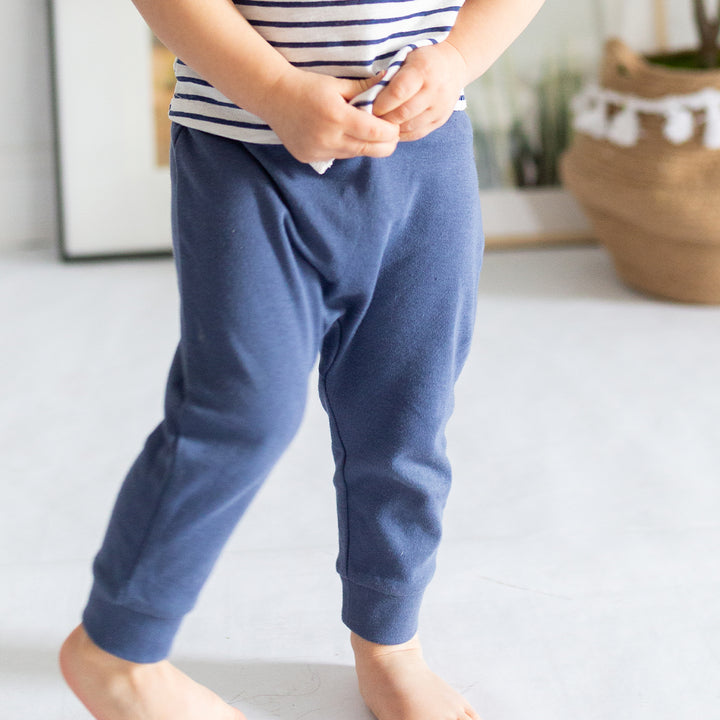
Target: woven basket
x=655 y=205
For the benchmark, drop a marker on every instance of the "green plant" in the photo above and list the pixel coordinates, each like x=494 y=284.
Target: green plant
x=535 y=159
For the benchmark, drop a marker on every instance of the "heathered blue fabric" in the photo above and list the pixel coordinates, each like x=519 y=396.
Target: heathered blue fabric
x=374 y=266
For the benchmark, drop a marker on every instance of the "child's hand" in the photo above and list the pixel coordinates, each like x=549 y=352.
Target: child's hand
x=422 y=94
x=311 y=114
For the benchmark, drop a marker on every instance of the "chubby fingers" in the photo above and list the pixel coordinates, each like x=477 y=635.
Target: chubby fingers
x=351 y=88
x=421 y=125
x=368 y=135
x=424 y=91
x=352 y=147
x=398 y=101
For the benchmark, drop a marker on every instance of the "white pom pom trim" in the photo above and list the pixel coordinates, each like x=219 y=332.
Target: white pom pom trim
x=624 y=128
x=591 y=108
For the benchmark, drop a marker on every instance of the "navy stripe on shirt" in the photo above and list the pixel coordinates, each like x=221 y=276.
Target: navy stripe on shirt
x=361 y=43
x=349 y=23
x=220 y=121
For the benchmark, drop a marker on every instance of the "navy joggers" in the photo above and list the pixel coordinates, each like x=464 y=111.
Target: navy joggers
x=374 y=266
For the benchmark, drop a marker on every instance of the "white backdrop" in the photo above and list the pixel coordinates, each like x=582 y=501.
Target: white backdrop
x=633 y=21
x=27 y=208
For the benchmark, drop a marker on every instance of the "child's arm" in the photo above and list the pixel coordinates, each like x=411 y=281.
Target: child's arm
x=308 y=112
x=422 y=94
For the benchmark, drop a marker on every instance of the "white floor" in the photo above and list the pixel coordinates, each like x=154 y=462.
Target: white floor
x=580 y=573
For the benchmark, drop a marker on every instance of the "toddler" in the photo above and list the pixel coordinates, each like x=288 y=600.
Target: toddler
x=324 y=202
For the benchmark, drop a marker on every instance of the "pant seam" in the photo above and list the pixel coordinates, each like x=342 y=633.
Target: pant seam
x=150 y=526
x=341 y=469
x=369 y=587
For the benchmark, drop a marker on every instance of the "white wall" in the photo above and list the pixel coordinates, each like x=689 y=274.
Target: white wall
x=633 y=20
x=27 y=203
x=591 y=20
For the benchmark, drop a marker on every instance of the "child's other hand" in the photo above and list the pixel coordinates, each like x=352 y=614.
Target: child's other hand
x=422 y=94
x=311 y=114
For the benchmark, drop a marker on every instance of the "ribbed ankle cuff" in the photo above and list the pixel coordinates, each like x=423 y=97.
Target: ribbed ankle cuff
x=128 y=634
x=377 y=617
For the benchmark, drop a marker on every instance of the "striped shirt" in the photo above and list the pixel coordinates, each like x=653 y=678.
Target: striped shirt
x=343 y=38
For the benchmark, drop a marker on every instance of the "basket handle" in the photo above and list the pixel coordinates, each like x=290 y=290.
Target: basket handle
x=620 y=61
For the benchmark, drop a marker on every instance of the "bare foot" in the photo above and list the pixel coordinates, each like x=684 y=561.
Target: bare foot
x=396 y=684
x=115 y=689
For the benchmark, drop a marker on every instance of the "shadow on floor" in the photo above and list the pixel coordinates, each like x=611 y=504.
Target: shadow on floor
x=260 y=689
x=284 y=690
